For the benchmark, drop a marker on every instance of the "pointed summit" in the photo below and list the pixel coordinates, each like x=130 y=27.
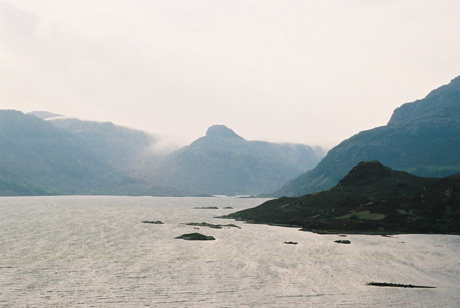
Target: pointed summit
x=221 y=131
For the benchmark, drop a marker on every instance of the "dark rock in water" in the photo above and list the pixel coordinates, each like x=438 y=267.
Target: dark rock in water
x=206 y=208
x=205 y=224
x=291 y=243
x=228 y=208
x=231 y=226
x=195 y=237
x=156 y=222
x=396 y=285
x=342 y=242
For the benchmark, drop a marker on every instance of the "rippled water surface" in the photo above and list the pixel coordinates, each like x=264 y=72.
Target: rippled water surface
x=95 y=252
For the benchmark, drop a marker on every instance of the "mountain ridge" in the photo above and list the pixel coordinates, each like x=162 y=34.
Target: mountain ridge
x=422 y=137
x=42 y=154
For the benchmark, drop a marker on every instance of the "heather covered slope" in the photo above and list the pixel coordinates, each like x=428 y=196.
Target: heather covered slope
x=422 y=138
x=372 y=198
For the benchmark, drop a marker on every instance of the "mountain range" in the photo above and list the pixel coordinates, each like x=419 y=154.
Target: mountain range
x=69 y=156
x=422 y=137
x=43 y=153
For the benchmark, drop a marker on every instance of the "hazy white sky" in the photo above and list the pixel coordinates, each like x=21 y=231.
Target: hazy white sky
x=305 y=71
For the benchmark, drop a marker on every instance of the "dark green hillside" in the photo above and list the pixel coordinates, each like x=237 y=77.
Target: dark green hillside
x=372 y=198
x=422 y=138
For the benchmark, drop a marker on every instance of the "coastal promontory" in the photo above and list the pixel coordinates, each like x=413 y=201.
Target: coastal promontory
x=371 y=198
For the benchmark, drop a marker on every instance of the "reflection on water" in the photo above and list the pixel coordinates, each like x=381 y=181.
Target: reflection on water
x=94 y=251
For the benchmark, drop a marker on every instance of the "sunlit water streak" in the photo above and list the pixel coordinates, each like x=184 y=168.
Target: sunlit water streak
x=94 y=252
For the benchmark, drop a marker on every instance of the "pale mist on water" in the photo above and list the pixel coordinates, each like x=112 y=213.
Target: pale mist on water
x=87 y=251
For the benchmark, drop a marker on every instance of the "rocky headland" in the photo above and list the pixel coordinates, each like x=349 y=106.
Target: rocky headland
x=373 y=199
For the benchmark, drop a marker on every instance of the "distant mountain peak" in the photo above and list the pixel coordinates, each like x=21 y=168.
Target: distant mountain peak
x=441 y=103
x=221 y=131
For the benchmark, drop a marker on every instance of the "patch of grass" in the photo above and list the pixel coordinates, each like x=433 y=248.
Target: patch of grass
x=365 y=215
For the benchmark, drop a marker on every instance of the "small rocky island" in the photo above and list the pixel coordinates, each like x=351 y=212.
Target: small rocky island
x=343 y=241
x=154 y=222
x=213 y=226
x=195 y=237
x=373 y=199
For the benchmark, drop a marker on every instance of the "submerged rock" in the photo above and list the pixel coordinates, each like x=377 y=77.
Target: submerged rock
x=396 y=285
x=195 y=237
x=156 y=222
x=205 y=224
x=342 y=242
x=291 y=243
x=206 y=208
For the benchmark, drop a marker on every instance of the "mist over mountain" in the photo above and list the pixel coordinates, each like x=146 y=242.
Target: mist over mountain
x=63 y=155
x=123 y=148
x=223 y=162
x=422 y=137
x=69 y=156
x=45 y=114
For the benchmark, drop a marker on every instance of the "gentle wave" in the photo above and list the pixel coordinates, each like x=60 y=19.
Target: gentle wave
x=83 y=251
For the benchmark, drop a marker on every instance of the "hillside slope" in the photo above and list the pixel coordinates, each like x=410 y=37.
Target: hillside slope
x=422 y=138
x=37 y=158
x=68 y=156
x=371 y=198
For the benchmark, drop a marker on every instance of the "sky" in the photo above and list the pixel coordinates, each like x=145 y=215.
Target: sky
x=302 y=71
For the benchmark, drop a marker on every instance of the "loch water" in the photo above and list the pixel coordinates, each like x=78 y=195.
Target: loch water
x=94 y=251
